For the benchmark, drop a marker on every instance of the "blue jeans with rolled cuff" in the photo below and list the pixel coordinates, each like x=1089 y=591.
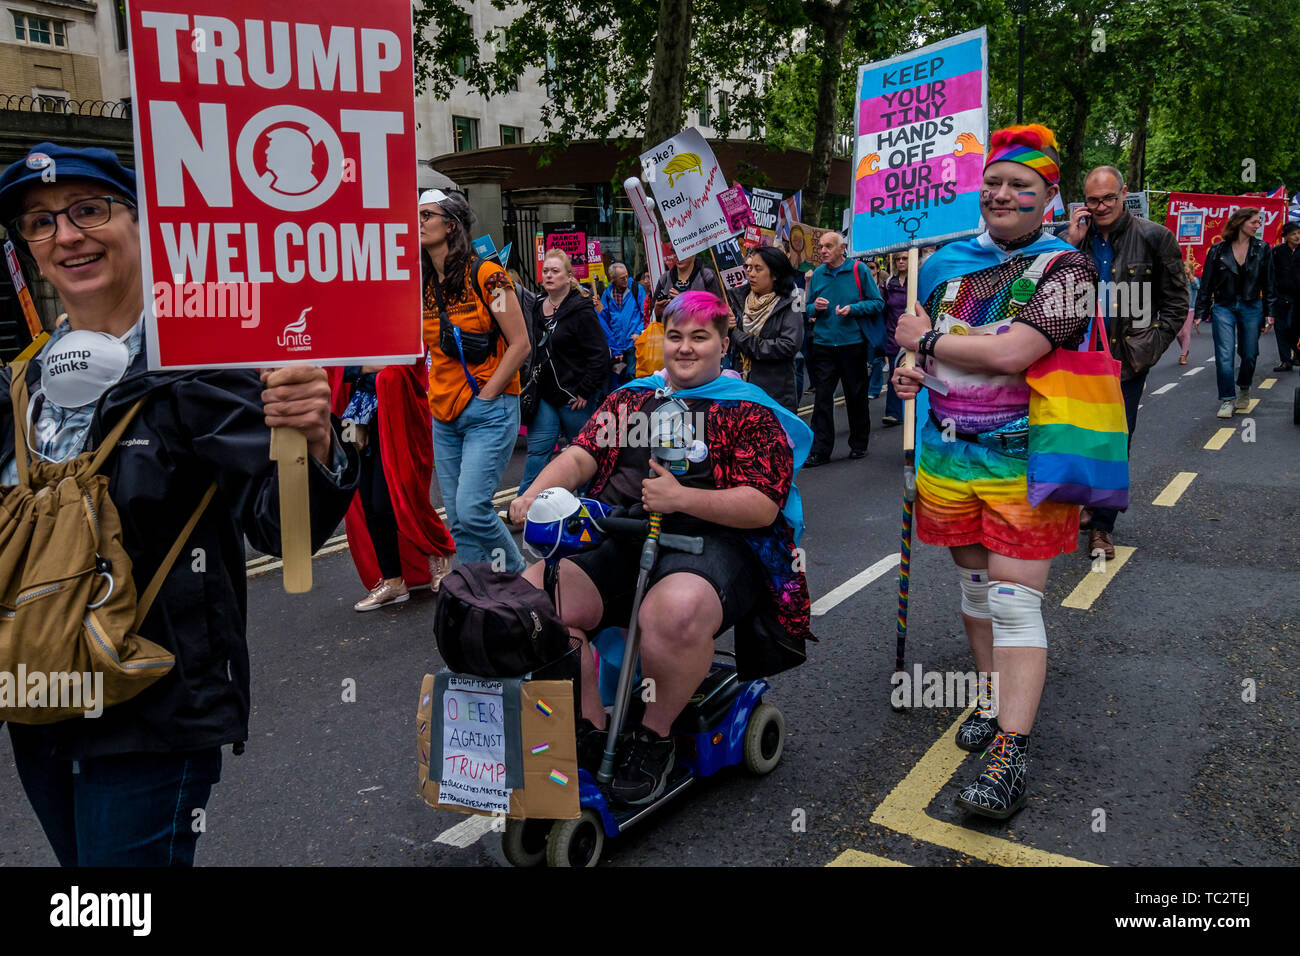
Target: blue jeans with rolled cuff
x=1236 y=329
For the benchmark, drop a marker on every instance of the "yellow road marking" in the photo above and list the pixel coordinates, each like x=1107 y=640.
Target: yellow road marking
x=858 y=858
x=1220 y=438
x=808 y=409
x=1251 y=407
x=1174 y=490
x=1094 y=582
x=1267 y=383
x=904 y=811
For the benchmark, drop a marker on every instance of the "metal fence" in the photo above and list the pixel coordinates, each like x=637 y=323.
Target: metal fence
x=115 y=109
x=520 y=224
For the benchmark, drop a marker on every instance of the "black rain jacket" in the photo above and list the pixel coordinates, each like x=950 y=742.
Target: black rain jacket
x=195 y=427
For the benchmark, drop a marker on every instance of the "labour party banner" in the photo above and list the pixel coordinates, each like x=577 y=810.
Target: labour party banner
x=275 y=155
x=922 y=128
x=685 y=178
x=1217 y=209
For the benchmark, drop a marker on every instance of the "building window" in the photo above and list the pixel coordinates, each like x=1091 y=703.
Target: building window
x=50 y=101
x=704 y=106
x=40 y=30
x=461 y=66
x=464 y=133
x=119 y=19
x=553 y=85
x=722 y=107
x=512 y=135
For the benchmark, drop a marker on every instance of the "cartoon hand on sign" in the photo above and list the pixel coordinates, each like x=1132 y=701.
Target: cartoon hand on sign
x=870 y=164
x=967 y=144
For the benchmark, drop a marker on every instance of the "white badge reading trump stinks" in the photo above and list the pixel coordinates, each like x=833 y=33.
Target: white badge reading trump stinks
x=82 y=366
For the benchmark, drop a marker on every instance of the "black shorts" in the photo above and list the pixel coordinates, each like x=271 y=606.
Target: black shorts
x=727 y=563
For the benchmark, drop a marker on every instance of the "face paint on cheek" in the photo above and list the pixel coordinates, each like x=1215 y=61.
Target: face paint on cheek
x=1028 y=201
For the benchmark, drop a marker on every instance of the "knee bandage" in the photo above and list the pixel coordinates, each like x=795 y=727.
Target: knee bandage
x=1017 y=613
x=974 y=592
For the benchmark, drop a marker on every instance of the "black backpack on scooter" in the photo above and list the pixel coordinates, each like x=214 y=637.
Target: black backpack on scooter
x=493 y=624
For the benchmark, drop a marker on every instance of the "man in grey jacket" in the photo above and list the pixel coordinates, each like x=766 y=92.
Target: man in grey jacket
x=1142 y=295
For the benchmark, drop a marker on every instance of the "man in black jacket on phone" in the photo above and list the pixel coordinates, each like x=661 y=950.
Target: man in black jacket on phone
x=1142 y=293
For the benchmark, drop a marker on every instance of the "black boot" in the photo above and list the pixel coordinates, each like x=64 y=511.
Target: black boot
x=978 y=730
x=1001 y=788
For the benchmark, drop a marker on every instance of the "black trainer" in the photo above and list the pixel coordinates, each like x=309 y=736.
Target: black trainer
x=1000 y=789
x=591 y=745
x=643 y=768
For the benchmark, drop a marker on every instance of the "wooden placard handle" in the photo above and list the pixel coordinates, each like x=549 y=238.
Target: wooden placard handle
x=909 y=358
x=289 y=451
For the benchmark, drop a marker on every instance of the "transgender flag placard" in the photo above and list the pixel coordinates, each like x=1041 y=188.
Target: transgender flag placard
x=922 y=128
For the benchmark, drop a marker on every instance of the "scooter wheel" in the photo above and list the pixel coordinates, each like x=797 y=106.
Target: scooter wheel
x=524 y=842
x=577 y=842
x=764 y=739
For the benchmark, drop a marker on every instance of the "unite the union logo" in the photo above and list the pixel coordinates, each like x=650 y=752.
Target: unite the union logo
x=295 y=337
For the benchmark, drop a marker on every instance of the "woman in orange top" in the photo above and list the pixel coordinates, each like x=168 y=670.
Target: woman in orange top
x=477 y=340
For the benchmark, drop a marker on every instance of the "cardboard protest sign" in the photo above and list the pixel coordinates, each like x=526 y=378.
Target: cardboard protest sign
x=922 y=130
x=648 y=223
x=547 y=760
x=569 y=238
x=1217 y=210
x=736 y=209
x=685 y=178
x=1138 y=204
x=275 y=156
x=764 y=204
x=801 y=247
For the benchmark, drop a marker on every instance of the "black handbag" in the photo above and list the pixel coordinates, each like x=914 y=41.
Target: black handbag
x=494 y=624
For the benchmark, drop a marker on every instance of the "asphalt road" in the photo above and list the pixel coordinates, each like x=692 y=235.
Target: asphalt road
x=1143 y=727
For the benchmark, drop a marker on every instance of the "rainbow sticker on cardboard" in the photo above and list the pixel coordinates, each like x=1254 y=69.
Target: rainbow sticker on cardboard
x=545 y=708
x=541 y=748
x=559 y=778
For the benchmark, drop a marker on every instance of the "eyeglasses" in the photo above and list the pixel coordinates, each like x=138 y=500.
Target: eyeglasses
x=427 y=214
x=1095 y=202
x=84 y=214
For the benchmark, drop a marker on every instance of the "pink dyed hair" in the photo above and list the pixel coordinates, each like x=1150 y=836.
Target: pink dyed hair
x=692 y=308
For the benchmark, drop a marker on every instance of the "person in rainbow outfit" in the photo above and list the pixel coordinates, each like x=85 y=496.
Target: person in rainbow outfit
x=993 y=305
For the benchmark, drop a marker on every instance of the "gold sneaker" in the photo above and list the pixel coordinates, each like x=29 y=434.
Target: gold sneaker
x=439 y=568
x=382 y=596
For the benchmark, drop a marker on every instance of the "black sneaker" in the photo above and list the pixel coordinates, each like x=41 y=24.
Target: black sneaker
x=814 y=461
x=591 y=745
x=1000 y=789
x=643 y=768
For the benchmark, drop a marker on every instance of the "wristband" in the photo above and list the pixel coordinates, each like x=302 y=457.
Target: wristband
x=925 y=346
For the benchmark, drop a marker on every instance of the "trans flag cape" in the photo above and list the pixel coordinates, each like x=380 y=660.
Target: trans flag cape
x=724 y=388
x=971 y=255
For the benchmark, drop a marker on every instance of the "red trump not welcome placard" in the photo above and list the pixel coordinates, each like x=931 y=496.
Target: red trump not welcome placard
x=275 y=156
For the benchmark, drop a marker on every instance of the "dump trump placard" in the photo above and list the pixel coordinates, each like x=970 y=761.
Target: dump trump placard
x=922 y=130
x=275 y=156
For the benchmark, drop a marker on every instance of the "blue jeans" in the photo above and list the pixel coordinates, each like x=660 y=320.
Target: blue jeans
x=123 y=810
x=1236 y=329
x=877 y=381
x=893 y=404
x=470 y=454
x=545 y=430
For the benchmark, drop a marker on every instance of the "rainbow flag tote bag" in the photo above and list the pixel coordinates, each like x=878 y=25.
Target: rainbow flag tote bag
x=1078 y=432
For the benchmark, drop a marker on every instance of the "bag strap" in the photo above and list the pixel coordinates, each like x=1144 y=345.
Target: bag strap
x=18 y=397
x=858 y=279
x=155 y=584
x=455 y=335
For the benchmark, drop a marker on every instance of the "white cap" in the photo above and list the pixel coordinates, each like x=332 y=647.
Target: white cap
x=432 y=195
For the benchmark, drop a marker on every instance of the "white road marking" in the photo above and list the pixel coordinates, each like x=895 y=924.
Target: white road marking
x=1164 y=388
x=464 y=834
x=1194 y=371
x=853 y=585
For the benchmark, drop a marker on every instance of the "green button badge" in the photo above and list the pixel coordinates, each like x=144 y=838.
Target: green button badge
x=1023 y=289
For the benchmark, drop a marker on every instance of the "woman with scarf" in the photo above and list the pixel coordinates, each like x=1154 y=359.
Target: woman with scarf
x=992 y=308
x=767 y=338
